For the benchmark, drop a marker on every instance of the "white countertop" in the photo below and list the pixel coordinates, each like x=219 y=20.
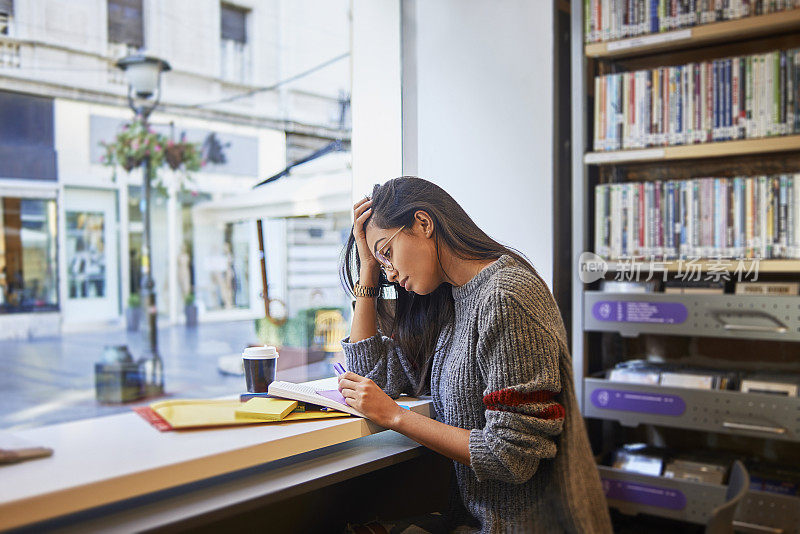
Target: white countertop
x=105 y=460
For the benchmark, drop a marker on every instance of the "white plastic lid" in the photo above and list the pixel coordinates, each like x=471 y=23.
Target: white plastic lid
x=264 y=352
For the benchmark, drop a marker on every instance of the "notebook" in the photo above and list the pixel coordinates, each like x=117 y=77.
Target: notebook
x=304 y=393
x=198 y=413
x=266 y=409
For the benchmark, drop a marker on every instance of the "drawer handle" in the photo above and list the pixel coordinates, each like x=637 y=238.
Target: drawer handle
x=776 y=328
x=757 y=528
x=756 y=328
x=756 y=428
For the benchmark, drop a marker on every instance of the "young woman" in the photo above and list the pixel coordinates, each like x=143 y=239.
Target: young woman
x=474 y=325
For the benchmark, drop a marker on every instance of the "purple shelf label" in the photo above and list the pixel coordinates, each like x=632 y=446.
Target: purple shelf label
x=623 y=490
x=622 y=311
x=637 y=401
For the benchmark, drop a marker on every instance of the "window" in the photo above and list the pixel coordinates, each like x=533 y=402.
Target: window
x=233 y=24
x=125 y=23
x=224 y=266
x=26 y=136
x=86 y=266
x=234 y=52
x=6 y=14
x=28 y=268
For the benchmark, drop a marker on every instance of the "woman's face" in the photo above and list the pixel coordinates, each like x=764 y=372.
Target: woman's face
x=412 y=253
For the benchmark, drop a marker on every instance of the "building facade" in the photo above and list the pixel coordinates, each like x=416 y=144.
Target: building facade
x=70 y=227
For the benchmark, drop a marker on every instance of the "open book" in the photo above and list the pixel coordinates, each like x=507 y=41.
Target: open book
x=304 y=393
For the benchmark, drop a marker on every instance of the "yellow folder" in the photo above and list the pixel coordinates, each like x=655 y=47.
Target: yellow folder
x=199 y=413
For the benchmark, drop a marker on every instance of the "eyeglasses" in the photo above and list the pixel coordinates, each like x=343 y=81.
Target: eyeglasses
x=386 y=265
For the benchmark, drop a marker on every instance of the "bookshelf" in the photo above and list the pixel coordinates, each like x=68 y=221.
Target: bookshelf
x=704 y=266
x=697 y=36
x=722 y=149
x=724 y=331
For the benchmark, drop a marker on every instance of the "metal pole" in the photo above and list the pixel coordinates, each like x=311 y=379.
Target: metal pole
x=154 y=364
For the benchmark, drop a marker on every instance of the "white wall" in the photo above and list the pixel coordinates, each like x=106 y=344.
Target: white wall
x=483 y=75
x=377 y=112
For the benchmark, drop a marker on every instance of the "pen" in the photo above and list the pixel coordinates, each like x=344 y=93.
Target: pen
x=339 y=369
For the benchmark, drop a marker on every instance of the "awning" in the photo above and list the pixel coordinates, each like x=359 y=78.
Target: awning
x=322 y=186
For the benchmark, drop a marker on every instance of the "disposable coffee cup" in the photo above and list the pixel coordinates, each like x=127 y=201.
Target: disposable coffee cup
x=260 y=364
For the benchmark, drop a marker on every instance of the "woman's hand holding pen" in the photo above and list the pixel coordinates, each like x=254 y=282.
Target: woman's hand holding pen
x=370 y=268
x=365 y=396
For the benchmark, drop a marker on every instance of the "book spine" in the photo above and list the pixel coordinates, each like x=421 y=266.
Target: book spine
x=620 y=105
x=715 y=100
x=735 y=100
x=796 y=211
x=774 y=87
x=783 y=205
x=626 y=109
x=782 y=92
x=736 y=208
x=748 y=99
x=791 y=230
x=717 y=218
x=774 y=198
x=641 y=207
x=796 y=90
x=726 y=99
x=730 y=240
x=790 y=67
x=654 y=16
x=624 y=223
x=597 y=121
x=696 y=221
x=742 y=117
x=679 y=115
x=749 y=223
x=598 y=220
x=588 y=20
x=761 y=217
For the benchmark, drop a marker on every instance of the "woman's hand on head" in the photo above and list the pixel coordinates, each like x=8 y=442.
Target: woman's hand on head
x=370 y=268
x=365 y=396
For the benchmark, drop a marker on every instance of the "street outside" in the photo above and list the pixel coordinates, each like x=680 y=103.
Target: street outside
x=47 y=381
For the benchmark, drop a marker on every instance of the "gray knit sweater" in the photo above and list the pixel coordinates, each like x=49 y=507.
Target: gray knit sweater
x=505 y=374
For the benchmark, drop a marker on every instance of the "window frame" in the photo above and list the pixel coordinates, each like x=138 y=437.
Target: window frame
x=119 y=28
x=235 y=32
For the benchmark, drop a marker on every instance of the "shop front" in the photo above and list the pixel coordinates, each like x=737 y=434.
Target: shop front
x=103 y=226
x=29 y=292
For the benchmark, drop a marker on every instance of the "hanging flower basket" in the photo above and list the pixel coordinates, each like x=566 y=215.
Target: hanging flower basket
x=135 y=142
x=183 y=154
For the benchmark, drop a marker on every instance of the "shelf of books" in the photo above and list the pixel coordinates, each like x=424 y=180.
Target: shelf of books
x=636 y=486
x=721 y=149
x=702 y=267
x=688 y=162
x=644 y=31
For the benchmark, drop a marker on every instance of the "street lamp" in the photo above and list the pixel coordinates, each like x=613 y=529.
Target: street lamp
x=143 y=74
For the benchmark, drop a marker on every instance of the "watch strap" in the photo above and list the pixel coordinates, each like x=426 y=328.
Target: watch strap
x=364 y=291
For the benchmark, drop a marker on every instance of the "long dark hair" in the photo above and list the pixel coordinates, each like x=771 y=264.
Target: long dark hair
x=416 y=321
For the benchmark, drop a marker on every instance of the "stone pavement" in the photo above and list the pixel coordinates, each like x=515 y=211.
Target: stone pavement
x=46 y=381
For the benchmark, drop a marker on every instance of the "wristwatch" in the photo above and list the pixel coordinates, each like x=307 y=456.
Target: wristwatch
x=364 y=291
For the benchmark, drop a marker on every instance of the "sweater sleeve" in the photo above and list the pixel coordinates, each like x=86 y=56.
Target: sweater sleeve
x=519 y=360
x=381 y=360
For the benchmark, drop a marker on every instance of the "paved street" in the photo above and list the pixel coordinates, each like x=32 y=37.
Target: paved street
x=48 y=381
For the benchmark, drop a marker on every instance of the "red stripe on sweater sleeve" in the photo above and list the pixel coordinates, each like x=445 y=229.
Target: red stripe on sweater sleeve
x=512 y=397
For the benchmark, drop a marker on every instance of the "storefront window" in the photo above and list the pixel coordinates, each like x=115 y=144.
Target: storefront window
x=28 y=263
x=86 y=266
x=223 y=264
